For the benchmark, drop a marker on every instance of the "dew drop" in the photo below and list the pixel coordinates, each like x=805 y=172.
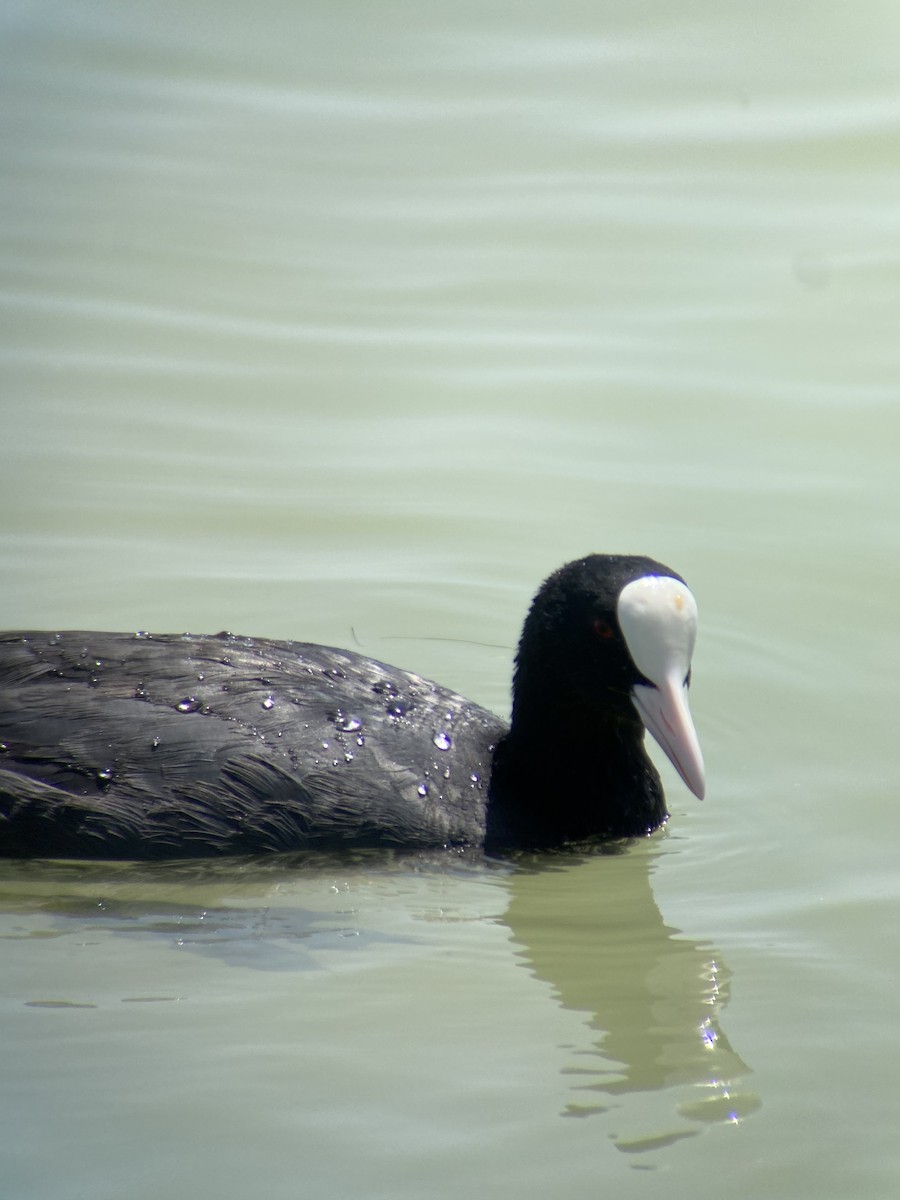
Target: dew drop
x=188 y=705
x=422 y=789
x=396 y=709
x=442 y=740
x=268 y=703
x=155 y=744
x=346 y=723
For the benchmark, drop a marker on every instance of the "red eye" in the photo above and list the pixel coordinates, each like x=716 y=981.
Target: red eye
x=602 y=628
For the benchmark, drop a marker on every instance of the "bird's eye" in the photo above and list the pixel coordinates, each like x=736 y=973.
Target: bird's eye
x=602 y=628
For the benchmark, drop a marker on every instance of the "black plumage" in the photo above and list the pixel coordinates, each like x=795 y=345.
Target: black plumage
x=118 y=745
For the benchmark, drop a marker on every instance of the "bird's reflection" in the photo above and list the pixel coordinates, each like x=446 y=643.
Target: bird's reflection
x=590 y=927
x=654 y=1050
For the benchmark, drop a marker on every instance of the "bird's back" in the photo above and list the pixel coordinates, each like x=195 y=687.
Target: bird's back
x=130 y=746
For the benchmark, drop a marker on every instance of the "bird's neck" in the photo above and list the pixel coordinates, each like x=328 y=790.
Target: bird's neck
x=566 y=775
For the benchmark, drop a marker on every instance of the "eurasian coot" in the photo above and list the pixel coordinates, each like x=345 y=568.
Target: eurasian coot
x=120 y=745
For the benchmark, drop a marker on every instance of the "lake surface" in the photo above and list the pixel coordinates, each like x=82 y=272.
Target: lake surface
x=349 y=324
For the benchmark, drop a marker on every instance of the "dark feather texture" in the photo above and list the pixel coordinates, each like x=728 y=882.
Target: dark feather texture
x=116 y=745
x=119 y=745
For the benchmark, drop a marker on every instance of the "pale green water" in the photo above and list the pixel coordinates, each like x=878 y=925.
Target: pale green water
x=342 y=322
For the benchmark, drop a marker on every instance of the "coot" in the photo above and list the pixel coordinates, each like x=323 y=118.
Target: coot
x=134 y=746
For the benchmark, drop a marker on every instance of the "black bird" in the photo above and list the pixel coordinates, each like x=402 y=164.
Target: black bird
x=131 y=746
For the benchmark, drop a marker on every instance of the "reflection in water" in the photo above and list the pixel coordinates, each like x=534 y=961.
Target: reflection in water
x=591 y=928
x=230 y=909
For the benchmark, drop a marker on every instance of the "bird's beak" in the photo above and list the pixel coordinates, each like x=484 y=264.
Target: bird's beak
x=664 y=710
